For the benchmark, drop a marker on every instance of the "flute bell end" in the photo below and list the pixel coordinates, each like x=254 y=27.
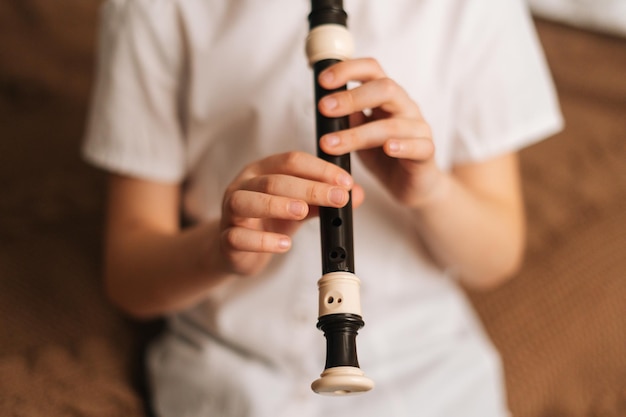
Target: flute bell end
x=341 y=381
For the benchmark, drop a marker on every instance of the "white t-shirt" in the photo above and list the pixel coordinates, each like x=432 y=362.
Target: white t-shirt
x=190 y=91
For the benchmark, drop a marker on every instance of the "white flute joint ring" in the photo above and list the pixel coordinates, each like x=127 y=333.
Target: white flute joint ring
x=329 y=41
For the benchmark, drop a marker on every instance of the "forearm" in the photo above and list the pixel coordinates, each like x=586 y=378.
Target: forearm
x=150 y=273
x=480 y=237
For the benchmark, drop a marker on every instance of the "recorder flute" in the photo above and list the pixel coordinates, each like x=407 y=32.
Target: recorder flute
x=329 y=42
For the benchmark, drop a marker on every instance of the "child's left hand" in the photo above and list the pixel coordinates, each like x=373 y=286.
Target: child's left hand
x=394 y=142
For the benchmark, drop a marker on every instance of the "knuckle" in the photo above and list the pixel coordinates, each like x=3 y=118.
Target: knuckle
x=250 y=170
x=232 y=201
x=347 y=101
x=313 y=193
x=292 y=160
x=268 y=184
x=388 y=86
x=329 y=172
x=394 y=127
x=264 y=242
x=351 y=138
x=429 y=147
x=268 y=205
x=424 y=130
x=371 y=61
x=230 y=238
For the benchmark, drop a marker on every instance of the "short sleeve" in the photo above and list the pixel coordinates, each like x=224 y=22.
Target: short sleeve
x=134 y=127
x=506 y=98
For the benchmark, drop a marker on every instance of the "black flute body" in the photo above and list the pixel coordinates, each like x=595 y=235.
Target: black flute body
x=335 y=223
x=339 y=318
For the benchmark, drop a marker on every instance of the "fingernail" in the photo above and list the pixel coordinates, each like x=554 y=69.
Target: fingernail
x=337 y=196
x=331 y=140
x=345 y=180
x=394 y=146
x=284 y=243
x=327 y=77
x=296 y=208
x=329 y=102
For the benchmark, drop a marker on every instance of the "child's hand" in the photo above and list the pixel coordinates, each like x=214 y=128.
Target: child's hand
x=394 y=142
x=268 y=200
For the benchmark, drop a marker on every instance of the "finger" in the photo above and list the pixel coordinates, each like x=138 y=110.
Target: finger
x=418 y=149
x=359 y=69
x=251 y=204
x=382 y=93
x=376 y=134
x=248 y=240
x=358 y=196
x=302 y=165
x=308 y=191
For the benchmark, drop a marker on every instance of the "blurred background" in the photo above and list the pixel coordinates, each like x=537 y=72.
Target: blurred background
x=560 y=324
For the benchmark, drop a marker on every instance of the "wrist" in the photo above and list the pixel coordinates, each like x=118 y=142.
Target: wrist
x=210 y=259
x=434 y=187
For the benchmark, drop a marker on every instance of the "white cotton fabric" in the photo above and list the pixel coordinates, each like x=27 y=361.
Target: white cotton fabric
x=189 y=91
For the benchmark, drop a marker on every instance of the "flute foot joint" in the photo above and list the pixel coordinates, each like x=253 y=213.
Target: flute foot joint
x=342 y=380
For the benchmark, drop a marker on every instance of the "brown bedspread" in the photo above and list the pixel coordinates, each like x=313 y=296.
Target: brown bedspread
x=560 y=325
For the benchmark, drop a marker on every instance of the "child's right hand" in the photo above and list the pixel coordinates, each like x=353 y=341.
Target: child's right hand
x=269 y=199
